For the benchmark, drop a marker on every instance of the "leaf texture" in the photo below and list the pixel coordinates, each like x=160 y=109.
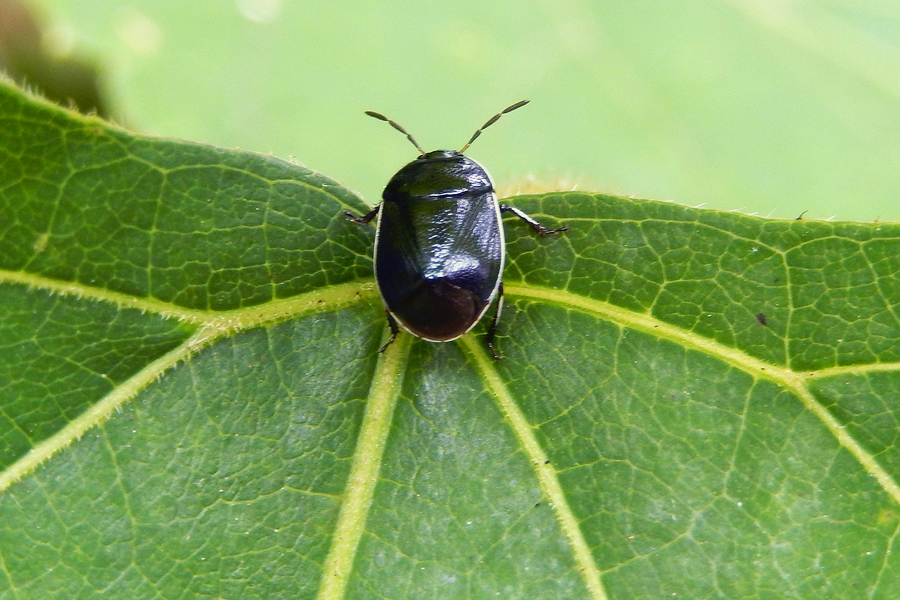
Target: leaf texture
x=692 y=403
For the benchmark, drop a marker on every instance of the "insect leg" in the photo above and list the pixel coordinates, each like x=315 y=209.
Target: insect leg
x=492 y=330
x=394 y=330
x=366 y=218
x=534 y=224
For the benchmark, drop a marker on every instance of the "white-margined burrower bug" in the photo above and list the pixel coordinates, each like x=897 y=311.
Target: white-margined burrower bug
x=439 y=243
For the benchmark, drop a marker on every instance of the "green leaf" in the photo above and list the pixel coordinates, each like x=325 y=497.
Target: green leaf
x=692 y=403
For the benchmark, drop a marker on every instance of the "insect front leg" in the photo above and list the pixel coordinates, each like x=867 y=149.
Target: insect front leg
x=366 y=218
x=534 y=224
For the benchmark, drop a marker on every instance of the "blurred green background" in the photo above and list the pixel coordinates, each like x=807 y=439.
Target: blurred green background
x=772 y=107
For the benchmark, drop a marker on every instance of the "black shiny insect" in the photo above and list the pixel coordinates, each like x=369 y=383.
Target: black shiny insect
x=439 y=243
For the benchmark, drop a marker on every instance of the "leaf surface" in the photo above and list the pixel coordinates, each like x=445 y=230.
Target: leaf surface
x=691 y=403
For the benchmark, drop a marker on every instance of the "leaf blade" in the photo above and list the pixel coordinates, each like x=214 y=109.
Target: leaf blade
x=705 y=455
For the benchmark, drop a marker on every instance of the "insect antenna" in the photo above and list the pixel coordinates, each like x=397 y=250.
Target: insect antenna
x=398 y=127
x=493 y=120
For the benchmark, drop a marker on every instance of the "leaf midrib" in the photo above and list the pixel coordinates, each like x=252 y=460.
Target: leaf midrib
x=796 y=383
x=545 y=473
x=364 y=470
x=216 y=324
